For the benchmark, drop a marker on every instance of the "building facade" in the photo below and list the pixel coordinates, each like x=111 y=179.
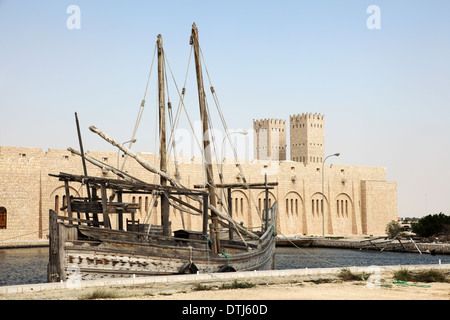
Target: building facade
x=356 y=200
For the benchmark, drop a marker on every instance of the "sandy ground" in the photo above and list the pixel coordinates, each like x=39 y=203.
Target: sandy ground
x=327 y=287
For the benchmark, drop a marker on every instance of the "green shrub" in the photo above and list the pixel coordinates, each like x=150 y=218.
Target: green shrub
x=393 y=229
x=403 y=275
x=431 y=275
x=430 y=225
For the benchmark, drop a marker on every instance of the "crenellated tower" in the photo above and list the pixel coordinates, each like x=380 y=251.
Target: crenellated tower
x=307 y=138
x=269 y=139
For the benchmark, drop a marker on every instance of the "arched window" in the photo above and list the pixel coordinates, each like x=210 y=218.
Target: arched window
x=3 y=218
x=64 y=204
x=343 y=206
x=57 y=203
x=146 y=204
x=346 y=208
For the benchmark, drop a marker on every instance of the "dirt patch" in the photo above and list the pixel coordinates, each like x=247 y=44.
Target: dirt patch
x=325 y=287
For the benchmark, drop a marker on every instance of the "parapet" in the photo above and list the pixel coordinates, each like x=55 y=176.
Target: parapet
x=269 y=122
x=306 y=116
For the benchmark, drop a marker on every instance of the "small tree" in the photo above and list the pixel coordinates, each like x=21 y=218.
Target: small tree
x=393 y=229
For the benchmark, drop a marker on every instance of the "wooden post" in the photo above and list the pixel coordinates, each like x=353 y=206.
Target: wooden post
x=83 y=160
x=148 y=166
x=106 y=222
x=120 y=214
x=266 y=214
x=230 y=210
x=56 y=249
x=205 y=214
x=94 y=198
x=205 y=133
x=69 y=207
x=162 y=134
x=165 y=210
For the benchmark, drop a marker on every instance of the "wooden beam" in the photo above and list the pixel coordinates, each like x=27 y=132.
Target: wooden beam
x=205 y=135
x=106 y=221
x=230 y=211
x=162 y=135
x=104 y=166
x=184 y=203
x=69 y=207
x=239 y=185
x=147 y=165
x=205 y=214
x=120 y=216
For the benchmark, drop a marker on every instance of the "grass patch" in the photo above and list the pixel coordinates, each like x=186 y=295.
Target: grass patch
x=321 y=280
x=234 y=285
x=346 y=275
x=201 y=287
x=403 y=275
x=431 y=275
x=237 y=285
x=100 y=294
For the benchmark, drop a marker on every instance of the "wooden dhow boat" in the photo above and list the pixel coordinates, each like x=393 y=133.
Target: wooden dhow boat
x=85 y=244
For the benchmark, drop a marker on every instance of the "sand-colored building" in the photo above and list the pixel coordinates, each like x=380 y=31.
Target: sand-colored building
x=356 y=200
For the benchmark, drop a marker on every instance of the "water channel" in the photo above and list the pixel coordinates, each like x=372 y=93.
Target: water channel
x=29 y=265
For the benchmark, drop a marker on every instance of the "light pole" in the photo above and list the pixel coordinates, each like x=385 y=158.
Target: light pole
x=323 y=195
x=222 y=158
x=221 y=150
x=118 y=153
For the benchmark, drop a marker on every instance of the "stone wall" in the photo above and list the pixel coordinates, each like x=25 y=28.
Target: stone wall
x=357 y=200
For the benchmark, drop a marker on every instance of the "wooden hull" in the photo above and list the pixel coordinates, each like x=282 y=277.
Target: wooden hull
x=85 y=249
x=87 y=253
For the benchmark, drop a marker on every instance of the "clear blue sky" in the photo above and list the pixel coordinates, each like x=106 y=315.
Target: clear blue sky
x=384 y=92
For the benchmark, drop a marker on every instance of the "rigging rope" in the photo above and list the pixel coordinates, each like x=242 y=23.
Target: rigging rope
x=222 y=118
x=141 y=109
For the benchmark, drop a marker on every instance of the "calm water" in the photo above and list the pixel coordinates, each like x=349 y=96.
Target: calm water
x=23 y=266
x=29 y=266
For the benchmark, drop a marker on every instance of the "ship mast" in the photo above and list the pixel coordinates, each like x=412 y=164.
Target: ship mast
x=162 y=136
x=214 y=229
